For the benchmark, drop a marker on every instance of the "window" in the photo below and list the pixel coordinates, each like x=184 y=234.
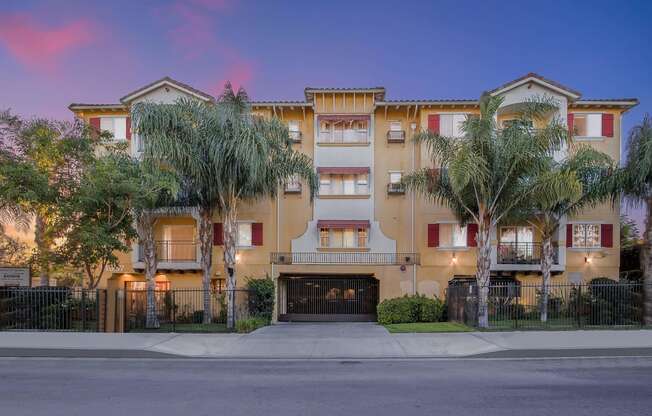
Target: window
x=244 y=234
x=295 y=130
x=343 y=131
x=452 y=235
x=343 y=237
x=586 y=235
x=587 y=125
x=450 y=125
x=117 y=126
x=293 y=185
x=344 y=184
x=395 y=126
x=516 y=235
x=395 y=177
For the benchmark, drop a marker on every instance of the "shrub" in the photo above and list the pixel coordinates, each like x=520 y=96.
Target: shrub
x=408 y=309
x=261 y=297
x=250 y=324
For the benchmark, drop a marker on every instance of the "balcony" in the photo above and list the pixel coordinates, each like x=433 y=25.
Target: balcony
x=396 y=136
x=395 y=189
x=296 y=136
x=523 y=253
x=350 y=258
x=172 y=252
x=352 y=137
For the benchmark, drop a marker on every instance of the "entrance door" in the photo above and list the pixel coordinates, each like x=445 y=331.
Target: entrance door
x=322 y=298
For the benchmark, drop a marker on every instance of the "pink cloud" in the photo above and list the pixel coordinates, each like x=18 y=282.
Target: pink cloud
x=41 y=48
x=239 y=74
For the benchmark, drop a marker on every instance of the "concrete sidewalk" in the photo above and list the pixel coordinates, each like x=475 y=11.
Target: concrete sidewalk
x=329 y=340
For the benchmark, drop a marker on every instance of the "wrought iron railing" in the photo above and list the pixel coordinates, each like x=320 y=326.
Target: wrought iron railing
x=396 y=136
x=524 y=253
x=345 y=258
x=395 y=188
x=172 y=251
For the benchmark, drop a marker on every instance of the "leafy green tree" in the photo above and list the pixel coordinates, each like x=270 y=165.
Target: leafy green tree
x=97 y=217
x=635 y=181
x=629 y=233
x=484 y=175
x=226 y=157
x=41 y=164
x=564 y=188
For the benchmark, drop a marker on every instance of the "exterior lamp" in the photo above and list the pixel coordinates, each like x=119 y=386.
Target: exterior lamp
x=454 y=259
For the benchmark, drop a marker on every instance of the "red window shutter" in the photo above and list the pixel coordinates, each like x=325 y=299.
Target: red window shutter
x=433 y=123
x=569 y=235
x=128 y=128
x=218 y=234
x=607 y=235
x=471 y=235
x=607 y=125
x=433 y=235
x=257 y=234
x=95 y=123
x=571 y=120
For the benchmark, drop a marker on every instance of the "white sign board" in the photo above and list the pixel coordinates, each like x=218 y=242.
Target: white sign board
x=15 y=276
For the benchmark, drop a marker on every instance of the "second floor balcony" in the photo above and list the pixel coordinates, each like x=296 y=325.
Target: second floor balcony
x=170 y=251
x=523 y=253
x=348 y=258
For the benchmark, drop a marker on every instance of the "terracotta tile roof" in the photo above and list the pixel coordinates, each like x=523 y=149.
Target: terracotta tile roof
x=172 y=82
x=540 y=78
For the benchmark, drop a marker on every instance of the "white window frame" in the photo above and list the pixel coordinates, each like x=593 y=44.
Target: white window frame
x=112 y=128
x=359 y=180
x=237 y=234
x=464 y=116
x=332 y=231
x=585 y=246
x=394 y=123
x=395 y=172
x=454 y=224
x=587 y=136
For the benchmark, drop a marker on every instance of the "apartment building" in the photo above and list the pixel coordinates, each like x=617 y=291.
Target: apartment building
x=364 y=238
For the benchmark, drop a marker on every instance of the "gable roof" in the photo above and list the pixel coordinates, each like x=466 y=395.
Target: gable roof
x=170 y=82
x=538 y=79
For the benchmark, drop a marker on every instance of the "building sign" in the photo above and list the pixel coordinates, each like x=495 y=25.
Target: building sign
x=15 y=276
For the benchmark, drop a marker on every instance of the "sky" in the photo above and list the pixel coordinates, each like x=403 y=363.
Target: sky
x=55 y=52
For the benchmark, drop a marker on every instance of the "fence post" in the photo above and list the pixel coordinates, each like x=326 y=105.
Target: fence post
x=83 y=309
x=97 y=310
x=174 y=312
x=579 y=306
x=518 y=308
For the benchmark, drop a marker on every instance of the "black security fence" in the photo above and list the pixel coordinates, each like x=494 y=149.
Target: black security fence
x=182 y=310
x=52 y=309
x=516 y=306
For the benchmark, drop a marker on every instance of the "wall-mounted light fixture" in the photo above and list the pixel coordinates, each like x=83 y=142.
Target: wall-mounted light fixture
x=587 y=259
x=454 y=258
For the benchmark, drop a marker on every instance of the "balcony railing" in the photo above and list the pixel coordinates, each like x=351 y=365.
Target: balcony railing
x=172 y=251
x=396 y=136
x=395 y=188
x=296 y=136
x=345 y=258
x=344 y=137
x=524 y=253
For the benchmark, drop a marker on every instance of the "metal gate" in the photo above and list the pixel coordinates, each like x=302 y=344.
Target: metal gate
x=339 y=298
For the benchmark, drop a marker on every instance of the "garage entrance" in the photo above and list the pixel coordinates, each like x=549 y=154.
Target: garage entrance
x=348 y=298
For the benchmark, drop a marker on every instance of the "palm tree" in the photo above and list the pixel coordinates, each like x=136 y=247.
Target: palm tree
x=636 y=184
x=484 y=175
x=564 y=188
x=227 y=157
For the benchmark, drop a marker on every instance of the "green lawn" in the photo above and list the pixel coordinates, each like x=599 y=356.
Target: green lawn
x=428 y=327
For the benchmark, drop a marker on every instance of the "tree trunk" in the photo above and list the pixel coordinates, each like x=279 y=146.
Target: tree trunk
x=43 y=251
x=206 y=248
x=145 y=226
x=546 y=265
x=646 y=263
x=483 y=273
x=230 y=247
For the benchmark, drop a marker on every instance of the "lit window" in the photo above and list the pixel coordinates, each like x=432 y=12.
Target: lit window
x=586 y=235
x=362 y=237
x=450 y=125
x=342 y=237
x=452 y=235
x=324 y=237
x=117 y=126
x=244 y=234
x=587 y=125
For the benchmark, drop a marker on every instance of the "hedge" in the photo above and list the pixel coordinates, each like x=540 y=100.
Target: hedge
x=410 y=309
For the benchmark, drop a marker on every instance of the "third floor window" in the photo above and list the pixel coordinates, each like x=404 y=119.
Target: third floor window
x=343 y=131
x=344 y=184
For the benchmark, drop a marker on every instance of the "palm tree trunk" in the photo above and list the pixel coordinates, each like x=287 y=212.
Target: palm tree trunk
x=230 y=247
x=483 y=273
x=145 y=226
x=546 y=265
x=206 y=248
x=43 y=251
x=646 y=263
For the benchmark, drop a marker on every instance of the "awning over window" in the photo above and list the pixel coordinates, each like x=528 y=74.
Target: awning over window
x=344 y=117
x=343 y=170
x=343 y=224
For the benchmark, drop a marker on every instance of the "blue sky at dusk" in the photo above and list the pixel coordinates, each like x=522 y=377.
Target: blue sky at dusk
x=56 y=52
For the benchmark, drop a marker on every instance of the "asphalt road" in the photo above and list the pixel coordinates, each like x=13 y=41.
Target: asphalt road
x=572 y=386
